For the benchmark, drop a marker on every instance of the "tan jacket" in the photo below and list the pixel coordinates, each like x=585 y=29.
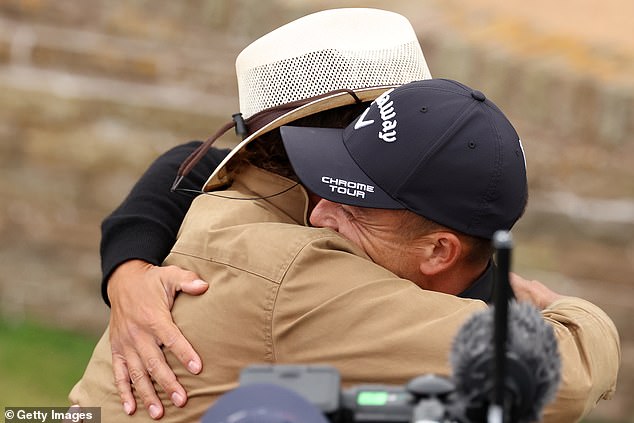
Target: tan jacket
x=281 y=292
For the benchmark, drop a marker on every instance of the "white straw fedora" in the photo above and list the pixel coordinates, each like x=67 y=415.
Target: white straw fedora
x=319 y=62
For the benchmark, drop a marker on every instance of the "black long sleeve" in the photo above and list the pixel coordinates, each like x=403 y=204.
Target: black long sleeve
x=145 y=225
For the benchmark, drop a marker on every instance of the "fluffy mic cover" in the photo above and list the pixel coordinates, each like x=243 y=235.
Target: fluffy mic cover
x=533 y=367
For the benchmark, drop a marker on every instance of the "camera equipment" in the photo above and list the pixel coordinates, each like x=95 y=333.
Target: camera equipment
x=423 y=399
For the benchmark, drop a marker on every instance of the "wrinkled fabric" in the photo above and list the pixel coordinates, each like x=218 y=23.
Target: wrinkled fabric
x=281 y=292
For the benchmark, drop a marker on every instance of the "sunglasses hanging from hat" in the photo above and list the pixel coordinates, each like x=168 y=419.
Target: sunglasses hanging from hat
x=244 y=129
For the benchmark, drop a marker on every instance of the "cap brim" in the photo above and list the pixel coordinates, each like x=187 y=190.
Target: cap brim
x=263 y=403
x=220 y=176
x=324 y=165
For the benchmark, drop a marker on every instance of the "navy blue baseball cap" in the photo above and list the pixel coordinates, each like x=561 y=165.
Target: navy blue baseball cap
x=263 y=403
x=435 y=147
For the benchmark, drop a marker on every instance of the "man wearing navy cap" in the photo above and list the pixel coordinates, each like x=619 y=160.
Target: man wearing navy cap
x=435 y=148
x=281 y=292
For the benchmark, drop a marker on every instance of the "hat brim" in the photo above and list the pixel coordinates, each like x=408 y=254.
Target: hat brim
x=324 y=165
x=220 y=177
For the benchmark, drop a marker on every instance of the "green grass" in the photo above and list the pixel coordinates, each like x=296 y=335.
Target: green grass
x=39 y=365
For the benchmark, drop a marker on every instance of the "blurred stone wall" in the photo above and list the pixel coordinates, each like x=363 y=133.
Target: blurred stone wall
x=93 y=91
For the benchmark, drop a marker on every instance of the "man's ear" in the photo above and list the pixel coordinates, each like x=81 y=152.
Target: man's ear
x=441 y=252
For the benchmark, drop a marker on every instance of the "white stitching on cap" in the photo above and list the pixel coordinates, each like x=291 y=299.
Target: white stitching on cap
x=349 y=188
x=386 y=109
x=360 y=123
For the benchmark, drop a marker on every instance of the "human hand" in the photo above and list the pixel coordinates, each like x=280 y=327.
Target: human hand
x=533 y=292
x=141 y=297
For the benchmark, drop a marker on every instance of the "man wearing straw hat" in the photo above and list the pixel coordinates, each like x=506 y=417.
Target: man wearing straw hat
x=274 y=207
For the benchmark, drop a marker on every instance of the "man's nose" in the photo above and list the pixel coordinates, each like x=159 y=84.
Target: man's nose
x=323 y=215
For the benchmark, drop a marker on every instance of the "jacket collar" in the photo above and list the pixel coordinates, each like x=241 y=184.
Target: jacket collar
x=286 y=195
x=482 y=288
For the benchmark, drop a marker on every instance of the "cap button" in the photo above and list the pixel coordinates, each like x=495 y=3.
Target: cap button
x=478 y=95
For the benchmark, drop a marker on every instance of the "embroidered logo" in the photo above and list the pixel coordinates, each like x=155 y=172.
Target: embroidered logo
x=386 y=109
x=349 y=188
x=361 y=123
x=387 y=113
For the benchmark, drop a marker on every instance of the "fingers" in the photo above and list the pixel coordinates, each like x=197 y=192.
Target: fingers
x=144 y=387
x=175 y=279
x=139 y=371
x=533 y=291
x=130 y=370
x=122 y=382
x=173 y=339
x=522 y=288
x=143 y=361
x=142 y=296
x=194 y=287
x=162 y=374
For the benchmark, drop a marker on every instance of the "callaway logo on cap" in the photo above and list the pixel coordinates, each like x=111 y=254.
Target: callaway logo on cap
x=435 y=147
x=388 y=117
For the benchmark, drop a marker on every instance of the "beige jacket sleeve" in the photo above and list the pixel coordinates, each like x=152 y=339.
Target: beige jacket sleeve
x=590 y=349
x=336 y=307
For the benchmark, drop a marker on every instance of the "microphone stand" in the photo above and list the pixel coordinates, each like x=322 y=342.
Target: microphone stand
x=503 y=244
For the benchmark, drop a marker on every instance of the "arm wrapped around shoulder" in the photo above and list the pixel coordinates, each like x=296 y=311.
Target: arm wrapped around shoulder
x=590 y=355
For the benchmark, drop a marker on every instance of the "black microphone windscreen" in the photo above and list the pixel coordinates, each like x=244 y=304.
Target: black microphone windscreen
x=532 y=362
